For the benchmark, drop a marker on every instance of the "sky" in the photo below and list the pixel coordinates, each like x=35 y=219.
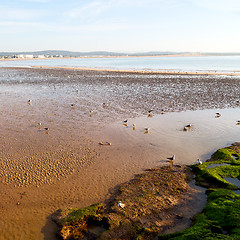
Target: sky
x=120 y=25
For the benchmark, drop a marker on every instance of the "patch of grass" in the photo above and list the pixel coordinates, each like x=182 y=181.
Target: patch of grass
x=93 y=211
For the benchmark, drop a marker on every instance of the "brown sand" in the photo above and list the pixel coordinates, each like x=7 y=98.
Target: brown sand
x=43 y=171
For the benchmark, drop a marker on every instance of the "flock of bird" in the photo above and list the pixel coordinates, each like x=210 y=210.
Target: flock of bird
x=185 y=128
x=125 y=123
x=39 y=124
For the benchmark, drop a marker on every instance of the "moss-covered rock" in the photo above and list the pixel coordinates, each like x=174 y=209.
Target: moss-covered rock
x=74 y=223
x=229 y=166
x=220 y=218
x=148 y=201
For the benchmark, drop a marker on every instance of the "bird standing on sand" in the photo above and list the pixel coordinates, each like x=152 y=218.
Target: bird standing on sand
x=150 y=111
x=172 y=158
x=134 y=126
x=238 y=122
x=218 y=115
x=199 y=161
x=147 y=130
x=29 y=101
x=189 y=125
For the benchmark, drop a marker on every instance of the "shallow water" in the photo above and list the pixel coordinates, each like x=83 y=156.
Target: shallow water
x=234 y=181
x=166 y=136
x=217 y=165
x=191 y=63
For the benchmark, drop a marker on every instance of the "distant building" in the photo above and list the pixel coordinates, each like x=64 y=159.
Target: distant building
x=25 y=56
x=39 y=56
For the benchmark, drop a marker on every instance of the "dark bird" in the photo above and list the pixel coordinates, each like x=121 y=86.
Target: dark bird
x=147 y=130
x=171 y=158
x=218 y=115
x=188 y=126
x=46 y=128
x=162 y=111
x=125 y=121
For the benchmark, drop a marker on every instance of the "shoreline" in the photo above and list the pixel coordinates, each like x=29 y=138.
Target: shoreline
x=160 y=72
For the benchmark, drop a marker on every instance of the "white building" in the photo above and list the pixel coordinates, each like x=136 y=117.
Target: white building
x=25 y=56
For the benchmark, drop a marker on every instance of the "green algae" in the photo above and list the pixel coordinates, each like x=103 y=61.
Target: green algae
x=220 y=218
x=93 y=211
x=214 y=177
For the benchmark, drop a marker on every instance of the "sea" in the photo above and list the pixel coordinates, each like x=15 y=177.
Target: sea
x=228 y=64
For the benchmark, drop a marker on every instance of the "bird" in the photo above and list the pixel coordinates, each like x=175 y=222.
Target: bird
x=172 y=158
x=199 y=161
x=162 y=111
x=72 y=105
x=104 y=104
x=125 y=121
x=29 y=101
x=185 y=128
x=46 y=128
x=106 y=143
x=238 y=122
x=218 y=115
x=147 y=130
x=134 y=126
x=120 y=204
x=189 y=125
x=150 y=111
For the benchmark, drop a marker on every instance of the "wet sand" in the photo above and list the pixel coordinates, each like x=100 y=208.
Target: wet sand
x=42 y=171
x=163 y=71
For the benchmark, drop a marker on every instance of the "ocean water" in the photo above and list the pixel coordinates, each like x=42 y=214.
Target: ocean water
x=200 y=63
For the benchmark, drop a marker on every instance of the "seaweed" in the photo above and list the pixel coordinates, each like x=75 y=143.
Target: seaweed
x=220 y=218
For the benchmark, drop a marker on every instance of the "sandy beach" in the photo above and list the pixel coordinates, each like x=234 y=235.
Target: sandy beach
x=50 y=152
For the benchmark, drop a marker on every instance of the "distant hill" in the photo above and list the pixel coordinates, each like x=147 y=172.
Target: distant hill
x=105 y=53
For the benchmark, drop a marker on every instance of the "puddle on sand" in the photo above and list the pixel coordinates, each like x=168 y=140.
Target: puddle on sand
x=234 y=157
x=217 y=165
x=166 y=136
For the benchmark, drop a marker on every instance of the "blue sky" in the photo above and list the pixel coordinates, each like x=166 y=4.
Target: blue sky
x=120 y=25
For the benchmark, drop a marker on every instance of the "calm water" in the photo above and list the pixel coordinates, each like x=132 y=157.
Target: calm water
x=212 y=63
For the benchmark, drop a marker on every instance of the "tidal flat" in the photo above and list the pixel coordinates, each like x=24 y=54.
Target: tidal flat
x=64 y=166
